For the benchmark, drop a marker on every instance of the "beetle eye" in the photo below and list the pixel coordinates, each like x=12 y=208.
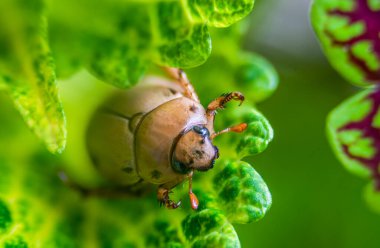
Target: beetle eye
x=201 y=131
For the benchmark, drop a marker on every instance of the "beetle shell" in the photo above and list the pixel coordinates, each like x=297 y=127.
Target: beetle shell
x=131 y=136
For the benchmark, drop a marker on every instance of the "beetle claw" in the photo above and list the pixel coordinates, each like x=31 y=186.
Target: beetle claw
x=164 y=200
x=172 y=205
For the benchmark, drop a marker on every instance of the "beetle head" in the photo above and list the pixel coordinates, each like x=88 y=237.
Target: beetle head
x=194 y=150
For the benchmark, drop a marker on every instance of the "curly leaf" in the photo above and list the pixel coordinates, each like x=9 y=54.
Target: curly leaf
x=256 y=77
x=257 y=136
x=27 y=70
x=349 y=34
x=254 y=140
x=234 y=69
x=209 y=228
x=241 y=192
x=118 y=38
x=354 y=132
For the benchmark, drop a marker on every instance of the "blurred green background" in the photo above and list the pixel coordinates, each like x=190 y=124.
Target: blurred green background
x=316 y=202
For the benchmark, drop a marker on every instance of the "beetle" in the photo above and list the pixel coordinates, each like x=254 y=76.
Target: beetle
x=156 y=133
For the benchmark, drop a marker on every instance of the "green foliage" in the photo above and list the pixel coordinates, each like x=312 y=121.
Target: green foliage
x=209 y=228
x=241 y=192
x=237 y=191
x=45 y=211
x=171 y=33
x=27 y=70
x=345 y=142
x=348 y=32
x=57 y=216
x=256 y=76
x=220 y=13
x=254 y=140
x=257 y=136
x=116 y=41
x=234 y=69
x=354 y=132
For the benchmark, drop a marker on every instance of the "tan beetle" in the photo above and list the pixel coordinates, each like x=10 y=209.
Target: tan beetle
x=156 y=133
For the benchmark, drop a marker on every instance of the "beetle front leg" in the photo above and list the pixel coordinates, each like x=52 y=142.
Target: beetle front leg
x=219 y=103
x=193 y=198
x=163 y=198
x=236 y=129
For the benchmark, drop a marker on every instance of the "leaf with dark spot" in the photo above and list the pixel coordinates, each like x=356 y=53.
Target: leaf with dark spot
x=354 y=132
x=349 y=34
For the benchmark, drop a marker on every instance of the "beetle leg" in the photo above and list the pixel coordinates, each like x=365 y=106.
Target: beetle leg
x=237 y=129
x=193 y=198
x=163 y=198
x=181 y=78
x=219 y=103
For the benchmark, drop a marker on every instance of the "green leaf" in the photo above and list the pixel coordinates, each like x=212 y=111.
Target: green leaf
x=27 y=70
x=120 y=65
x=348 y=34
x=257 y=136
x=234 y=69
x=254 y=140
x=209 y=228
x=241 y=192
x=256 y=77
x=115 y=40
x=219 y=13
x=353 y=131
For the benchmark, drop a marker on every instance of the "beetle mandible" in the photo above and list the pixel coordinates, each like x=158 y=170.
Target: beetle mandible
x=157 y=133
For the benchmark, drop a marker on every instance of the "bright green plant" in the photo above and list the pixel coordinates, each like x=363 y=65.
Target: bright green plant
x=117 y=41
x=349 y=34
